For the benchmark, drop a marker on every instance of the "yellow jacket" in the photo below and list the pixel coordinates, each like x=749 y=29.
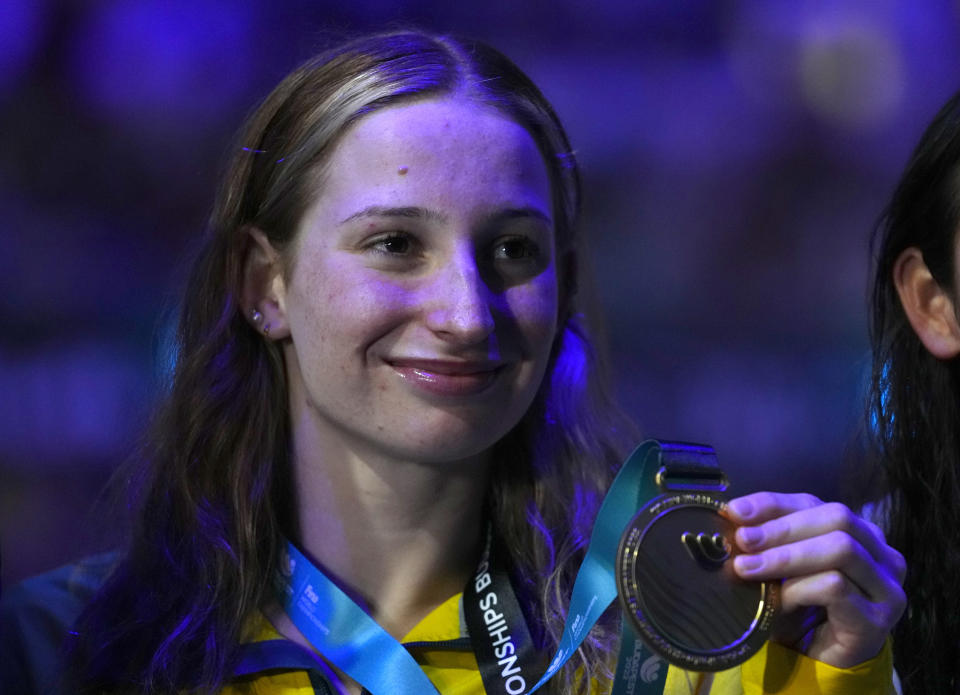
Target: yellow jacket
x=36 y=614
x=454 y=671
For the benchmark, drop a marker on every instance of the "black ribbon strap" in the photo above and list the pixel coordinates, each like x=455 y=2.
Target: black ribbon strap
x=498 y=630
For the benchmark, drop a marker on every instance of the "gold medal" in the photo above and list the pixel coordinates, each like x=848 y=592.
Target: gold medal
x=676 y=583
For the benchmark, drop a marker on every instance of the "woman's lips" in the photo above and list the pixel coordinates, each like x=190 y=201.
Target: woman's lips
x=447 y=378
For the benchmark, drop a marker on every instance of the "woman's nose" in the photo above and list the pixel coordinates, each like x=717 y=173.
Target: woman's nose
x=460 y=308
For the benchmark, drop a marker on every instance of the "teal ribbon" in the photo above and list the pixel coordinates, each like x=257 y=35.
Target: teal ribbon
x=344 y=633
x=595 y=587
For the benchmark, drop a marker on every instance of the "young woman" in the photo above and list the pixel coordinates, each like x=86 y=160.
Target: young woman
x=381 y=358
x=915 y=399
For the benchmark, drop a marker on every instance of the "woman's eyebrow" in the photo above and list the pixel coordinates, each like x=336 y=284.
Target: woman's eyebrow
x=413 y=212
x=520 y=213
x=406 y=211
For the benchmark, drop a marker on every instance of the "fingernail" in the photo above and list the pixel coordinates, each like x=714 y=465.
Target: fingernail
x=748 y=563
x=741 y=507
x=751 y=535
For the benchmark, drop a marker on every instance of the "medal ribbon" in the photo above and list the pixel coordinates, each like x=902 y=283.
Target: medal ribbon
x=353 y=641
x=497 y=627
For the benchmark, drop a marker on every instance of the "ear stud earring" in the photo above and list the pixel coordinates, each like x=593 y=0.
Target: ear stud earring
x=257 y=317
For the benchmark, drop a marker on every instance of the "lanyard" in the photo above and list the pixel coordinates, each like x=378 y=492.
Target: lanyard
x=498 y=630
x=639 y=671
x=353 y=641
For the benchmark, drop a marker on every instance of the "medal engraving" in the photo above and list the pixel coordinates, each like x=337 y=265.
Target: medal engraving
x=708 y=550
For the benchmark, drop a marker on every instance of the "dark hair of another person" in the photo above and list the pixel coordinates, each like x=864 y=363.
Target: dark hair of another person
x=914 y=413
x=213 y=495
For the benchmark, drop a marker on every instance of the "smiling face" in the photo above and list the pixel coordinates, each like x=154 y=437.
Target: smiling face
x=421 y=296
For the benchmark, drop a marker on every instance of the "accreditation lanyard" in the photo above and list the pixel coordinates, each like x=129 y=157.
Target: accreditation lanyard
x=497 y=627
x=350 y=639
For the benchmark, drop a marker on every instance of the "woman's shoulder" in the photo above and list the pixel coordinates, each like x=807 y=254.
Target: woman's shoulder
x=35 y=617
x=58 y=594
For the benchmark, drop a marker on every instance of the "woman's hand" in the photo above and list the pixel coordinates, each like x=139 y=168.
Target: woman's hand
x=841 y=581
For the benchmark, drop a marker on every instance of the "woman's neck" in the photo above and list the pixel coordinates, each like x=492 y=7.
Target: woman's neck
x=400 y=536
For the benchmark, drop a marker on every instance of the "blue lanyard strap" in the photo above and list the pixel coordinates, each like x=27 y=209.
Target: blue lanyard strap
x=351 y=639
x=595 y=588
x=639 y=671
x=344 y=633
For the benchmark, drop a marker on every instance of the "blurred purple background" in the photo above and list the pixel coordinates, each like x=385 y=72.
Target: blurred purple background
x=736 y=157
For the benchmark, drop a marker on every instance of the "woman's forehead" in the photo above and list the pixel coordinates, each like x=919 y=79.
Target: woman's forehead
x=454 y=150
x=435 y=127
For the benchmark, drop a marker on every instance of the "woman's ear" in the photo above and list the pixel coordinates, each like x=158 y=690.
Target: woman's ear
x=264 y=290
x=928 y=306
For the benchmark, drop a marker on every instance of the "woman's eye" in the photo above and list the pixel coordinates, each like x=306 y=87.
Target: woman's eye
x=394 y=245
x=517 y=249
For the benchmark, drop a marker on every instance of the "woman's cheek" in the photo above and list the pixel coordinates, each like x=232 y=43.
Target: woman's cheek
x=535 y=307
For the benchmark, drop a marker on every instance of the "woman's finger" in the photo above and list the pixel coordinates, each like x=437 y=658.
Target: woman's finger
x=842 y=599
x=819 y=521
x=835 y=550
x=759 y=507
x=855 y=628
